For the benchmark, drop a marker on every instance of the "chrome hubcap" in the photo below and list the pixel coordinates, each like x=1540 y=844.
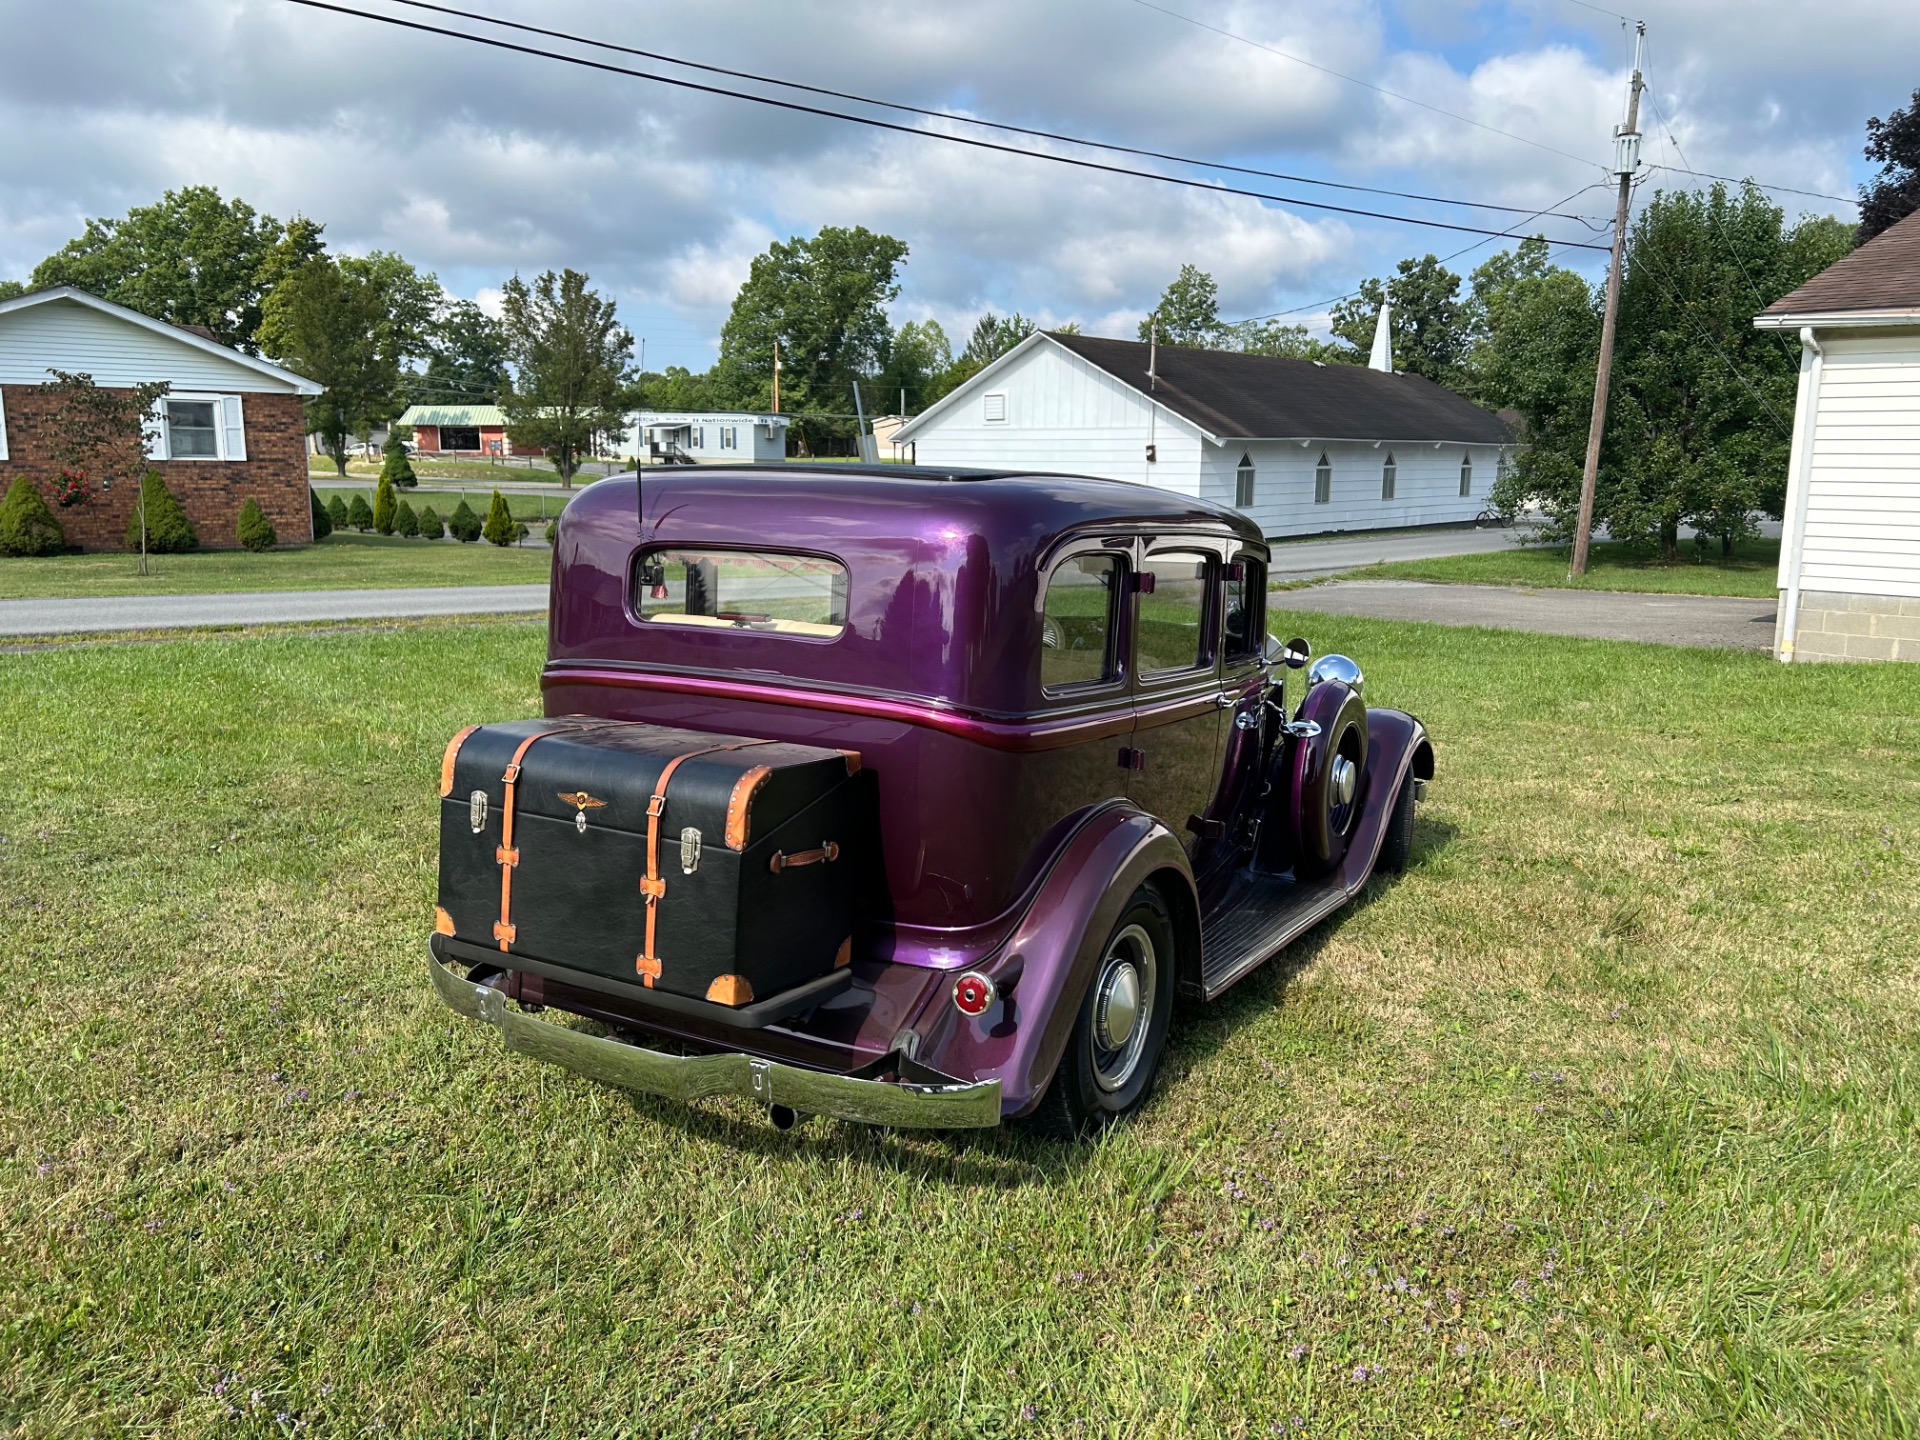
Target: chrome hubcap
x=1122 y=1002
x=1340 y=783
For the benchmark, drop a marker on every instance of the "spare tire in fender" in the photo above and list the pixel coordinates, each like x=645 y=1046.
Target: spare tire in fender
x=1325 y=777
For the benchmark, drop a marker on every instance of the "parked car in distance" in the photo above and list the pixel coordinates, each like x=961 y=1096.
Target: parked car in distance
x=908 y=796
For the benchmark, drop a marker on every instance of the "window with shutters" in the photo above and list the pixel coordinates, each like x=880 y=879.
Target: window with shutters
x=1389 y=475
x=993 y=408
x=1243 y=483
x=198 y=427
x=1466 y=475
x=1323 y=480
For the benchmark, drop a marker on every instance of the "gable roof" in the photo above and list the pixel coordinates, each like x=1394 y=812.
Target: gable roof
x=1882 y=277
x=191 y=336
x=1265 y=397
x=487 y=415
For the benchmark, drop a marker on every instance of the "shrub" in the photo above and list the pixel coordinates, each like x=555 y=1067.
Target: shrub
x=255 y=530
x=322 y=517
x=432 y=527
x=360 y=515
x=337 y=513
x=553 y=531
x=464 y=524
x=405 y=522
x=169 y=532
x=520 y=533
x=499 y=526
x=394 y=465
x=27 y=524
x=383 y=505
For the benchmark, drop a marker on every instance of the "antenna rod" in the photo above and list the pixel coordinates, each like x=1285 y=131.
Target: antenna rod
x=1626 y=159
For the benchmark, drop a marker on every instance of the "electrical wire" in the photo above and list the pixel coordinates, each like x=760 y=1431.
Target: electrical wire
x=950 y=115
x=1365 y=84
x=1077 y=162
x=1759 y=184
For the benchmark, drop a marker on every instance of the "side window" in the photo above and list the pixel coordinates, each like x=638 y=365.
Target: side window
x=1246 y=609
x=1076 y=627
x=1172 y=630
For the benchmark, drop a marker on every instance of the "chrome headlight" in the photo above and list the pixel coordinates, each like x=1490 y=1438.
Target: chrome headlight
x=1337 y=667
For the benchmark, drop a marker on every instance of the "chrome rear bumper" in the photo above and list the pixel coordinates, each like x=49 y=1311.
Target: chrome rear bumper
x=928 y=1099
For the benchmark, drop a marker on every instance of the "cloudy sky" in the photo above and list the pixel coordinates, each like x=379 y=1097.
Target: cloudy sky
x=475 y=162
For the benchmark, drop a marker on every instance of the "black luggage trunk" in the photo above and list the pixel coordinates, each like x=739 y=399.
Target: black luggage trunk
x=551 y=849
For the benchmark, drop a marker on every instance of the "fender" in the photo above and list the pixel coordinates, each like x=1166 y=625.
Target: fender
x=1397 y=748
x=1044 y=968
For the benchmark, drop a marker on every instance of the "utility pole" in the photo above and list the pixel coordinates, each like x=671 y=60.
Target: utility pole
x=1626 y=159
x=776 y=374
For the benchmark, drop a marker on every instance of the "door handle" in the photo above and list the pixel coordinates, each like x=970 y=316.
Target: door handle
x=1225 y=702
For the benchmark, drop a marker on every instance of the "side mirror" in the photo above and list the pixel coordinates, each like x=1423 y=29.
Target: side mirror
x=1294 y=654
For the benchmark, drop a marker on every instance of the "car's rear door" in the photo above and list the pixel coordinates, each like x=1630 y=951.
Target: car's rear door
x=1178 y=711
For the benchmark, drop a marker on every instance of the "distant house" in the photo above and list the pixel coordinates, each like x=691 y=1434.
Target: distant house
x=1850 y=545
x=231 y=427
x=477 y=430
x=710 y=437
x=1299 y=446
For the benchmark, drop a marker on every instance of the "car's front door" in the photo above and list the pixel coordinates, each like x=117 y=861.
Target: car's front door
x=1178 y=715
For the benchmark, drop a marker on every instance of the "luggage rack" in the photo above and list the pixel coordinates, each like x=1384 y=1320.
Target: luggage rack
x=756 y=1016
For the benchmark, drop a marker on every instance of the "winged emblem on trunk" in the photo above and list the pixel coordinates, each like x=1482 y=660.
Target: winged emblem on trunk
x=581 y=802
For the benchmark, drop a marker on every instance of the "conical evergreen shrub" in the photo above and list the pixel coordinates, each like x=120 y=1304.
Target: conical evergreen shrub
x=254 y=530
x=322 y=518
x=169 y=532
x=432 y=527
x=405 y=522
x=463 y=523
x=394 y=465
x=337 y=512
x=499 y=526
x=360 y=514
x=383 y=506
x=27 y=522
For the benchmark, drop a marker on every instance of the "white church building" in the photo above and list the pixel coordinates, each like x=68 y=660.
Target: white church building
x=1301 y=447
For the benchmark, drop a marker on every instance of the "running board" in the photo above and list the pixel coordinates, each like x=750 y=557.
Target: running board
x=1262 y=915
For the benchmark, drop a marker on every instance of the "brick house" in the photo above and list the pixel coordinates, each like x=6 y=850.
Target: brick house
x=231 y=426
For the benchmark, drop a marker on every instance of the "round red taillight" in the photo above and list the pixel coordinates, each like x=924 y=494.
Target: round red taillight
x=973 y=994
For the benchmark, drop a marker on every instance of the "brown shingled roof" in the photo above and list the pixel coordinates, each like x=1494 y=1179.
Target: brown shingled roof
x=1883 y=274
x=1229 y=394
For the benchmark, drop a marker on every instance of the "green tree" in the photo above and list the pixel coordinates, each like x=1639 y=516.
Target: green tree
x=468 y=363
x=322 y=517
x=1894 y=144
x=498 y=529
x=337 y=512
x=394 y=464
x=675 y=388
x=1429 y=333
x=1188 y=312
x=360 y=514
x=158 y=525
x=405 y=522
x=918 y=359
x=101 y=432
x=254 y=530
x=823 y=302
x=463 y=524
x=570 y=357
x=383 y=506
x=432 y=527
x=1289 y=342
x=10 y=288
x=191 y=258
x=27 y=523
x=329 y=324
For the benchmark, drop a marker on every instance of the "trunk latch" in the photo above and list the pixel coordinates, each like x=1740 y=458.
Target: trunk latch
x=689 y=850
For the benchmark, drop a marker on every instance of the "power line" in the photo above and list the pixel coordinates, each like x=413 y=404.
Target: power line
x=1078 y=163
x=1364 y=84
x=1602 y=10
x=1758 y=184
x=949 y=115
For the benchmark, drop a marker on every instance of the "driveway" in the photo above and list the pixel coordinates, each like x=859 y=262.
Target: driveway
x=1307 y=559
x=165 y=612
x=1713 y=620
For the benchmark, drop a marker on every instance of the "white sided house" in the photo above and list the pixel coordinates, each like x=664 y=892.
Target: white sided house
x=1850 y=544
x=1298 y=446
x=708 y=437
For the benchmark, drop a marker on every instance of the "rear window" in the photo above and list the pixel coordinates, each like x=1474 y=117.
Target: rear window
x=765 y=591
x=1076 y=632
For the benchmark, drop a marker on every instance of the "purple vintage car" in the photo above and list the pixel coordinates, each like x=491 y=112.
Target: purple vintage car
x=909 y=796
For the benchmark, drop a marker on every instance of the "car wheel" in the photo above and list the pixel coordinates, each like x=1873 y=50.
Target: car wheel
x=1397 y=848
x=1121 y=1030
x=1327 y=788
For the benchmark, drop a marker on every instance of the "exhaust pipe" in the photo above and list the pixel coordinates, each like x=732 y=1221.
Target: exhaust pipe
x=783 y=1117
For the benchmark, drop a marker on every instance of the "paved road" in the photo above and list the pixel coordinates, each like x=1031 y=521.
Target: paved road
x=1713 y=620
x=1305 y=559
x=161 y=612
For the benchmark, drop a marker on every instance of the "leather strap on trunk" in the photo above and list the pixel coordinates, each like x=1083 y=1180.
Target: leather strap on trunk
x=654 y=886
x=504 y=930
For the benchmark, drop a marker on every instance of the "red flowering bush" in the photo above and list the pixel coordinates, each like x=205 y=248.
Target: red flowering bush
x=72 y=488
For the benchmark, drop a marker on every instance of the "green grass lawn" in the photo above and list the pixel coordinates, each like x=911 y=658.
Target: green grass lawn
x=535 y=509
x=343 y=561
x=1753 y=569
x=1600 y=1121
